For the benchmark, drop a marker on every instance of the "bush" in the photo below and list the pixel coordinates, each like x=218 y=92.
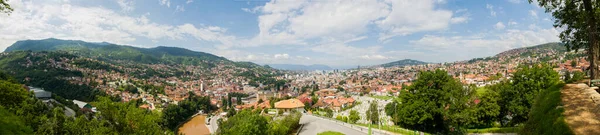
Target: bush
x=577 y=76
x=354 y=116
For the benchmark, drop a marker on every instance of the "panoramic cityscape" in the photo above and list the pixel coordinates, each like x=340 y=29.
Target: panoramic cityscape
x=300 y=67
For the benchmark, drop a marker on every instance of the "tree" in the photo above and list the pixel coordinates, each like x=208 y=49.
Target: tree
x=5 y=7
x=434 y=103
x=517 y=97
x=244 y=123
x=373 y=113
x=390 y=108
x=354 y=117
x=12 y=124
x=486 y=112
x=328 y=113
x=223 y=103
x=578 y=19
x=175 y=115
x=238 y=100
x=128 y=118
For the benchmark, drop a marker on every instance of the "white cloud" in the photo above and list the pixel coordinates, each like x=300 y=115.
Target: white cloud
x=281 y=56
x=491 y=8
x=45 y=20
x=409 y=17
x=298 y=21
x=461 y=19
x=533 y=14
x=373 y=57
x=165 y=2
x=512 y=23
x=179 y=8
x=452 y=48
x=189 y=1
x=126 y=5
x=295 y=21
x=344 y=50
x=514 y=1
x=499 y=26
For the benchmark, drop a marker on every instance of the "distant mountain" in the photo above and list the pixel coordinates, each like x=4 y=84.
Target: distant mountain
x=159 y=54
x=532 y=51
x=300 y=67
x=404 y=62
x=526 y=51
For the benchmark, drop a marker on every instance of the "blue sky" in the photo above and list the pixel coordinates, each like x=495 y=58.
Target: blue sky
x=338 y=33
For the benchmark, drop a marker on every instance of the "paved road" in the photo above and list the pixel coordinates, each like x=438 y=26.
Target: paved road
x=314 y=125
x=213 y=124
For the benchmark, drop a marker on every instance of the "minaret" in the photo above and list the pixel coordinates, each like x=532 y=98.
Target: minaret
x=202 y=86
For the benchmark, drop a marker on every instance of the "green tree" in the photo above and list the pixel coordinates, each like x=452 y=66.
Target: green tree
x=5 y=7
x=128 y=118
x=12 y=124
x=373 y=113
x=354 y=116
x=284 y=125
x=517 y=97
x=12 y=94
x=578 y=19
x=486 y=112
x=577 y=76
x=175 y=115
x=434 y=103
x=244 y=123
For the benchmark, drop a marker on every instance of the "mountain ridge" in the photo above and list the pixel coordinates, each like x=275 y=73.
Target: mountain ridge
x=159 y=54
x=403 y=62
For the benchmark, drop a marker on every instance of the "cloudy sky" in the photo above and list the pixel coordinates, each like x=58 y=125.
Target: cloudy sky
x=338 y=33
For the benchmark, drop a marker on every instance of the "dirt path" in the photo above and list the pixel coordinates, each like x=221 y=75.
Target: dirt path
x=581 y=113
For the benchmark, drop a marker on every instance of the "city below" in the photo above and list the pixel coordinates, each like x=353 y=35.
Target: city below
x=296 y=67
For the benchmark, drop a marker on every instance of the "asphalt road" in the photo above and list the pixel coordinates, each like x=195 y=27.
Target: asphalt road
x=213 y=124
x=314 y=125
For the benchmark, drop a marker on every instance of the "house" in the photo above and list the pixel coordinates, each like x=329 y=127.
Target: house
x=84 y=106
x=289 y=105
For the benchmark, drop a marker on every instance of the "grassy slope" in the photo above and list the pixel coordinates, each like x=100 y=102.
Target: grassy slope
x=495 y=130
x=546 y=117
x=390 y=128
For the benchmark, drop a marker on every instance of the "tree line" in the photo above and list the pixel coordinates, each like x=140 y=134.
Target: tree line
x=438 y=103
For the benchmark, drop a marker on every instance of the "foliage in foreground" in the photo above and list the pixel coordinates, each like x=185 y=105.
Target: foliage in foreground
x=441 y=104
x=546 y=116
x=496 y=130
x=247 y=122
x=21 y=113
x=436 y=103
x=330 y=133
x=175 y=115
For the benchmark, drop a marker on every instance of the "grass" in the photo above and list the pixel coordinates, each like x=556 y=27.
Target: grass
x=546 y=118
x=330 y=133
x=382 y=97
x=394 y=129
x=496 y=130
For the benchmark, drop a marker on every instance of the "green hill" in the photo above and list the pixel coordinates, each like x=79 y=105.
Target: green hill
x=404 y=62
x=161 y=54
